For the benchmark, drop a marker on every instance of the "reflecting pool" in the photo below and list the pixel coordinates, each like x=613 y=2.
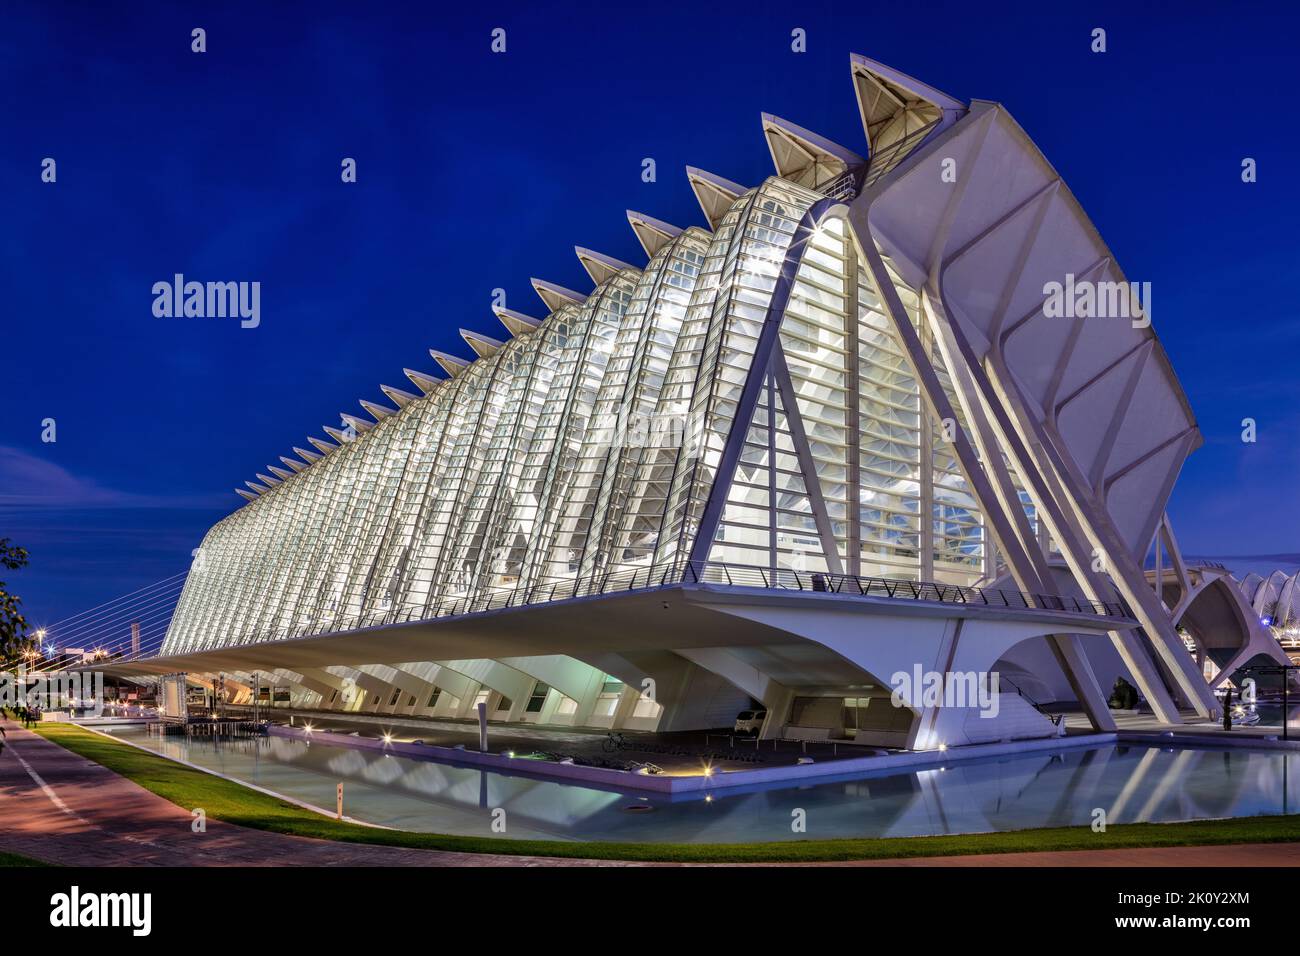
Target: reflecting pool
x=1060 y=788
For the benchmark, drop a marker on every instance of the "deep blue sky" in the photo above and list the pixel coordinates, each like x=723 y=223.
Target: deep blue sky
x=479 y=170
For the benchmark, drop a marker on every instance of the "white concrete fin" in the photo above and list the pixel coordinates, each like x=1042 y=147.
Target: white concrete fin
x=599 y=266
x=714 y=194
x=422 y=380
x=653 y=234
x=453 y=365
x=400 y=398
x=556 y=296
x=516 y=322
x=483 y=346
x=895 y=106
x=804 y=157
x=376 y=410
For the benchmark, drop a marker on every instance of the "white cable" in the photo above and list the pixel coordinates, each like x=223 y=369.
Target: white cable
x=125 y=614
x=123 y=597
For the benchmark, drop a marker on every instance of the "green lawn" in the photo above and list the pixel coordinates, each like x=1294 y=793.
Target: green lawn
x=234 y=803
x=13 y=859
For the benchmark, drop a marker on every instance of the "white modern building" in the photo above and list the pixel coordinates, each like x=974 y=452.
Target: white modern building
x=834 y=433
x=1274 y=598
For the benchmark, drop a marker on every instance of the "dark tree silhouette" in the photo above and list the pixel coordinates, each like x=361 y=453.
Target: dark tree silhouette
x=13 y=626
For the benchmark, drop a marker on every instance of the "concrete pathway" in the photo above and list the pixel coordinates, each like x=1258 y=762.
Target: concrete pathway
x=61 y=808
x=1192 y=726
x=1232 y=855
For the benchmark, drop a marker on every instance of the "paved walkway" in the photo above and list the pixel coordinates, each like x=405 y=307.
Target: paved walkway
x=1233 y=855
x=59 y=807
x=1192 y=726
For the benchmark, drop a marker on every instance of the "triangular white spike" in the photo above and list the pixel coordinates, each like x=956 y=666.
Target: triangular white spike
x=324 y=446
x=516 y=322
x=400 y=398
x=246 y=494
x=806 y=158
x=653 y=234
x=895 y=108
x=483 y=346
x=279 y=472
x=308 y=456
x=556 y=296
x=599 y=266
x=377 y=412
x=453 y=365
x=293 y=463
x=357 y=422
x=422 y=380
x=714 y=194
x=267 y=480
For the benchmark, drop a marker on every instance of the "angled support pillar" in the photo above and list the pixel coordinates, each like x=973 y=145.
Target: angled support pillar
x=776 y=697
x=1068 y=533
x=794 y=418
x=568 y=676
x=769 y=338
x=999 y=515
x=448 y=682
x=1165 y=536
x=1076 y=524
x=1067 y=648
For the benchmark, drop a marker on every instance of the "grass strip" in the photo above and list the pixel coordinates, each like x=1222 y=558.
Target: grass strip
x=13 y=859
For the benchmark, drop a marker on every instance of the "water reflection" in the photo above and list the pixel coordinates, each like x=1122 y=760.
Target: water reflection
x=1270 y=715
x=1132 y=784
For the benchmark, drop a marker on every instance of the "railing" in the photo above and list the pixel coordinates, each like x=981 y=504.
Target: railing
x=849 y=183
x=697 y=573
x=844 y=186
x=887 y=158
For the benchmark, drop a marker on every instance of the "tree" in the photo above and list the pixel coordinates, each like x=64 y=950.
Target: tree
x=13 y=626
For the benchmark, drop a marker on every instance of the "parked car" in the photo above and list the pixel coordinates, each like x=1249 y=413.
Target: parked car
x=750 y=722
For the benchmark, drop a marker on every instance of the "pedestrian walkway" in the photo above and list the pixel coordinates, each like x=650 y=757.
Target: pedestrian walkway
x=1233 y=855
x=1145 y=722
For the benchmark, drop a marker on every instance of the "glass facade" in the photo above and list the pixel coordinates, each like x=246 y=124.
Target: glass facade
x=592 y=443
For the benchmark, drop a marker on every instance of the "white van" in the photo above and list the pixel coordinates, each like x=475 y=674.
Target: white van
x=750 y=722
